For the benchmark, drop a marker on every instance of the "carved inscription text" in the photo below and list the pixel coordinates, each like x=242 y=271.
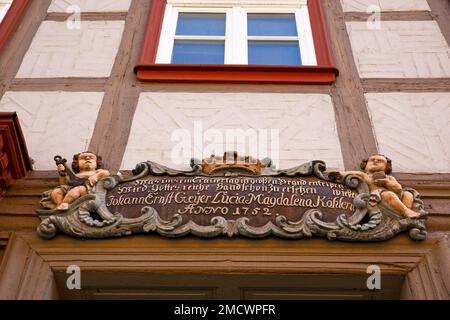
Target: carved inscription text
x=259 y=198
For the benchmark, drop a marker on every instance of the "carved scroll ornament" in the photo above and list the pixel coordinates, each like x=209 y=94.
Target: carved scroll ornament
x=372 y=218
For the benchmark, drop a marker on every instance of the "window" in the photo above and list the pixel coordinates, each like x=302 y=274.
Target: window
x=199 y=39
x=236 y=36
x=273 y=39
x=237 y=41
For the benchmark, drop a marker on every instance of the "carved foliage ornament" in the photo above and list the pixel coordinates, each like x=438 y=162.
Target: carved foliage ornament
x=242 y=196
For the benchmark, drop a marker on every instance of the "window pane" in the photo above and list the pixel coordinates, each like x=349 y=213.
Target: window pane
x=274 y=53
x=201 y=24
x=271 y=25
x=198 y=52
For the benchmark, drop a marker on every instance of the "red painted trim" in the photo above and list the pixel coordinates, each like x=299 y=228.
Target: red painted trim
x=324 y=73
x=236 y=74
x=324 y=55
x=11 y=19
x=154 y=26
x=15 y=161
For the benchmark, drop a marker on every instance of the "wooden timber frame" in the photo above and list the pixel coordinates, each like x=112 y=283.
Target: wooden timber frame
x=122 y=88
x=30 y=267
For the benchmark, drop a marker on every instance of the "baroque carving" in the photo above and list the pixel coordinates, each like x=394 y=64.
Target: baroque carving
x=74 y=184
x=381 y=209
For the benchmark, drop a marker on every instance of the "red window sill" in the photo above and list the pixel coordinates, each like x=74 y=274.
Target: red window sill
x=236 y=73
x=324 y=73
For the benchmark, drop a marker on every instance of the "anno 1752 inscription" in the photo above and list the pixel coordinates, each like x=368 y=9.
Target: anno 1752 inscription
x=260 y=198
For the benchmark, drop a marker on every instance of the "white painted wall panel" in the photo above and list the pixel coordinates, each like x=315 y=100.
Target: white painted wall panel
x=400 y=49
x=386 y=5
x=90 y=5
x=54 y=122
x=306 y=124
x=57 y=51
x=413 y=129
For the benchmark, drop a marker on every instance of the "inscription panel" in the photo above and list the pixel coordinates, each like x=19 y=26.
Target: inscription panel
x=261 y=199
x=223 y=197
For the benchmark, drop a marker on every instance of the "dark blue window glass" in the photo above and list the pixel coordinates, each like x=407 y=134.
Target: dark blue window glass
x=201 y=24
x=198 y=52
x=260 y=24
x=274 y=53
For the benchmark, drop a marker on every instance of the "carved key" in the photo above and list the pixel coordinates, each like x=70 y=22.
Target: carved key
x=74 y=181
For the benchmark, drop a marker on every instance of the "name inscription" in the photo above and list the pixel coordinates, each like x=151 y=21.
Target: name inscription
x=259 y=198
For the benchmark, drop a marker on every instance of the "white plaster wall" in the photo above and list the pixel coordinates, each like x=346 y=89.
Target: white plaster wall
x=386 y=5
x=413 y=129
x=58 y=51
x=306 y=125
x=90 y=5
x=54 y=122
x=400 y=49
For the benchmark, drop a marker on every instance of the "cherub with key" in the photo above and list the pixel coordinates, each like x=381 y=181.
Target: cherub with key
x=74 y=184
x=376 y=174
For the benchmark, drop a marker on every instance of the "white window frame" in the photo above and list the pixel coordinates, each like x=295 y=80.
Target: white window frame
x=236 y=38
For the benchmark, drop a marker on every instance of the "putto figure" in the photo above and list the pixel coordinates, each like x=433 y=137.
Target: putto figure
x=86 y=173
x=376 y=174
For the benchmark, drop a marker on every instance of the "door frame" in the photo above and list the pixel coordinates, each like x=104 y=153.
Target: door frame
x=29 y=263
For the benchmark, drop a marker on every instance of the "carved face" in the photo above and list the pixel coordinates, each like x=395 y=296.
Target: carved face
x=376 y=163
x=87 y=161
